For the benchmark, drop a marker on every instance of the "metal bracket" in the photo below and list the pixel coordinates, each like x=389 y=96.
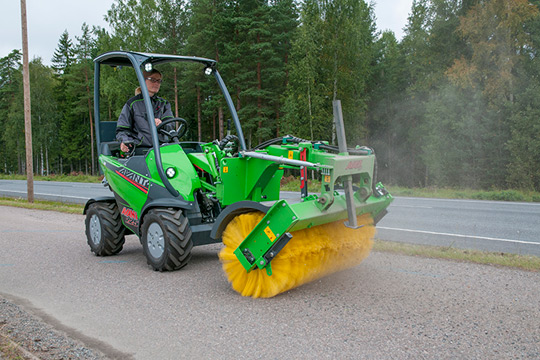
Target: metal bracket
x=347 y=184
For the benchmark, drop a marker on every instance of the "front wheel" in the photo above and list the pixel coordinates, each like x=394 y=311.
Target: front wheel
x=104 y=229
x=166 y=239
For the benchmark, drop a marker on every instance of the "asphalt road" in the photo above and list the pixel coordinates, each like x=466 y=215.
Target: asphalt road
x=483 y=225
x=388 y=307
x=67 y=192
x=496 y=226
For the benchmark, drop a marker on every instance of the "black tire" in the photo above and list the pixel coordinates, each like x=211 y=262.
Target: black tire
x=166 y=239
x=104 y=229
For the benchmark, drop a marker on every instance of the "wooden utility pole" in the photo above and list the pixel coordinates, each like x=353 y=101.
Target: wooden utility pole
x=27 y=113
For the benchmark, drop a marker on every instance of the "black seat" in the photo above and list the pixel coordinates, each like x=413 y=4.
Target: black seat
x=107 y=137
x=109 y=148
x=107 y=131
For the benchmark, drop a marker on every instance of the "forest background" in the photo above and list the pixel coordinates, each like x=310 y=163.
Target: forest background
x=453 y=104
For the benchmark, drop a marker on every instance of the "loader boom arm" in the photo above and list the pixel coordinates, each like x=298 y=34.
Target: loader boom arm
x=272 y=233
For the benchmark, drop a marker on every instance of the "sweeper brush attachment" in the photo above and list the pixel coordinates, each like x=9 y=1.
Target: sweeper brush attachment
x=311 y=254
x=291 y=243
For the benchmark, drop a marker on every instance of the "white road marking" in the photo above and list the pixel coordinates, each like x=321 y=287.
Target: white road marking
x=472 y=201
x=461 y=236
x=412 y=206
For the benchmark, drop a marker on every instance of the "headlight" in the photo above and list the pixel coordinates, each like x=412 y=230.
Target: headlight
x=171 y=172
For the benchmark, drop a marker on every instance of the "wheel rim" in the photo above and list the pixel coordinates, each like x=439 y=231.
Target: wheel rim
x=95 y=229
x=155 y=240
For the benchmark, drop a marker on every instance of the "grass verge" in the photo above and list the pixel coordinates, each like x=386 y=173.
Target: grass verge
x=43 y=205
x=447 y=193
x=523 y=262
x=74 y=177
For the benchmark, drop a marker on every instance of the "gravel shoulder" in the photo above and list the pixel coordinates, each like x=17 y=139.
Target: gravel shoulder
x=33 y=338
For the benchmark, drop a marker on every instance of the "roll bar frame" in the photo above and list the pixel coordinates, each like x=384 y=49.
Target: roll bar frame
x=138 y=61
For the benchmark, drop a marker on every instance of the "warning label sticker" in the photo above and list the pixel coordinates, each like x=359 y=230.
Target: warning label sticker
x=270 y=234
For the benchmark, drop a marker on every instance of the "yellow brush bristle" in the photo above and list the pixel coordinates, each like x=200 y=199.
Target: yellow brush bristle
x=309 y=255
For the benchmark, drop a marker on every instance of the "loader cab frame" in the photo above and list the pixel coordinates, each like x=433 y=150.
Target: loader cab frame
x=146 y=61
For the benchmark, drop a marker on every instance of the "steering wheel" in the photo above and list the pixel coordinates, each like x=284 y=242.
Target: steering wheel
x=173 y=134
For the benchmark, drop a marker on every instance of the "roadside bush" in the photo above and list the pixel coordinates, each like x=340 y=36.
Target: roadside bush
x=504 y=195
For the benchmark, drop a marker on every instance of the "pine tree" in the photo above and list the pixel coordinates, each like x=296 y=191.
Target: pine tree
x=133 y=25
x=284 y=15
x=172 y=29
x=208 y=38
x=334 y=49
x=497 y=38
x=63 y=55
x=305 y=99
x=62 y=61
x=85 y=51
x=524 y=142
x=45 y=117
x=10 y=96
x=386 y=108
x=259 y=59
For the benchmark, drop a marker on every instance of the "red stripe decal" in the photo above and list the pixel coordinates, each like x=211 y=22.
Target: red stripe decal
x=137 y=185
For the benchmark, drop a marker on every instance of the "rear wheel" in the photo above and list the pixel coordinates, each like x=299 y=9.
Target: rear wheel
x=104 y=229
x=166 y=239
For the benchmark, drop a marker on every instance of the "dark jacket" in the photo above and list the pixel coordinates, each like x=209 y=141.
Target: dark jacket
x=133 y=125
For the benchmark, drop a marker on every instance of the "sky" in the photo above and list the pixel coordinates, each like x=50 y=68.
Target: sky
x=47 y=20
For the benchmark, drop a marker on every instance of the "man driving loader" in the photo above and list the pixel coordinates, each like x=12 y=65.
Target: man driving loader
x=132 y=126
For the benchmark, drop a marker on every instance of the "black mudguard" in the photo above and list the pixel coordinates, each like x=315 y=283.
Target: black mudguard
x=98 y=199
x=231 y=211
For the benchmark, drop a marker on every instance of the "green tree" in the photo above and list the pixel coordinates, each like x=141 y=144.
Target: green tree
x=428 y=49
x=172 y=28
x=334 y=64
x=259 y=60
x=349 y=35
x=283 y=15
x=524 y=143
x=63 y=55
x=133 y=25
x=45 y=117
x=14 y=131
x=250 y=39
x=83 y=74
x=415 y=45
x=208 y=37
x=386 y=108
x=73 y=137
x=306 y=107
x=10 y=102
x=495 y=32
x=459 y=129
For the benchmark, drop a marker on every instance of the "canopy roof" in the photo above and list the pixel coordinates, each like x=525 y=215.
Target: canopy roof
x=124 y=58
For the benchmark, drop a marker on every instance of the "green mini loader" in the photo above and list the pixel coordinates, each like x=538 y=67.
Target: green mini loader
x=178 y=194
